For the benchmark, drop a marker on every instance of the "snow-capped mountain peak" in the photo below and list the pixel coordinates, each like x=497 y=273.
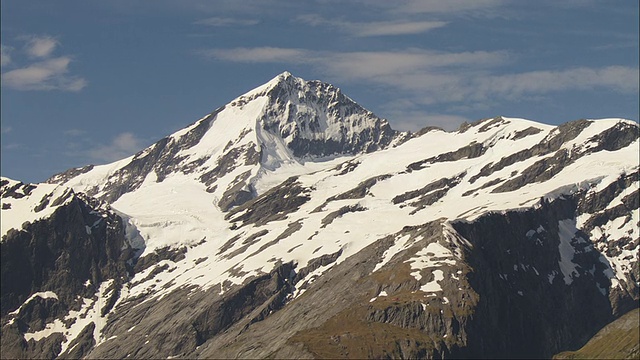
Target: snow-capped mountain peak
x=315 y=119
x=272 y=221
x=286 y=121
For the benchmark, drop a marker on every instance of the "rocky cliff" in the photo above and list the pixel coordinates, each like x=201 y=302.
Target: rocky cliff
x=74 y=260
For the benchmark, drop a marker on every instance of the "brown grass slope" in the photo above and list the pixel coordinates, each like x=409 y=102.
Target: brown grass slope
x=618 y=340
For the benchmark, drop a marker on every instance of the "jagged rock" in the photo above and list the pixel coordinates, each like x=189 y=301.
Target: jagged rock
x=200 y=316
x=58 y=255
x=81 y=345
x=262 y=210
x=470 y=151
x=50 y=265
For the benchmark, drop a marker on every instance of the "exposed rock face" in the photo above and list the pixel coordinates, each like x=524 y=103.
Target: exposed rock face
x=511 y=269
x=197 y=317
x=50 y=265
x=485 y=307
x=262 y=210
x=598 y=213
x=316 y=119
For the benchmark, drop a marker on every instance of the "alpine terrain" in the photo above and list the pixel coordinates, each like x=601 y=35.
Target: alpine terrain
x=294 y=223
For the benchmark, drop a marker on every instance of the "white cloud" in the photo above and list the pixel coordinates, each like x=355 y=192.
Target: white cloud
x=49 y=74
x=74 y=132
x=225 y=21
x=122 y=146
x=5 y=57
x=442 y=7
x=386 y=66
x=40 y=46
x=441 y=77
x=259 y=55
x=618 y=78
x=375 y=28
x=363 y=65
x=445 y=121
x=12 y=146
x=388 y=28
x=5 y=129
x=407 y=115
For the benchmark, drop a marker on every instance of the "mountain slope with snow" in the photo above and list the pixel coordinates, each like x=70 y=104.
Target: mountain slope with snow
x=293 y=196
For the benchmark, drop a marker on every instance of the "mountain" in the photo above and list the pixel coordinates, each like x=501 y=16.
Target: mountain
x=286 y=121
x=294 y=223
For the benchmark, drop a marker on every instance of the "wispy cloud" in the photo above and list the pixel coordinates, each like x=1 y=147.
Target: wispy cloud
x=122 y=146
x=449 y=6
x=5 y=56
x=259 y=55
x=47 y=73
x=441 y=77
x=12 y=146
x=51 y=74
x=74 y=132
x=227 y=21
x=621 y=79
x=389 y=28
x=5 y=129
x=40 y=46
x=408 y=115
x=375 y=28
x=361 y=64
x=415 y=120
x=384 y=65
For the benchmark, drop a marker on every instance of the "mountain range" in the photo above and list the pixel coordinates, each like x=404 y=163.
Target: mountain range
x=294 y=223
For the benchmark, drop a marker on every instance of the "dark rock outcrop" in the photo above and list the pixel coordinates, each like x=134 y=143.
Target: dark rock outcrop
x=261 y=210
x=69 y=253
x=510 y=320
x=197 y=317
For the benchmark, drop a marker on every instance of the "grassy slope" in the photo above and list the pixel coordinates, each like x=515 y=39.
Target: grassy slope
x=618 y=340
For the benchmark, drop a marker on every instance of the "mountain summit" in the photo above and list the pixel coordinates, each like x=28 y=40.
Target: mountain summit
x=283 y=122
x=315 y=119
x=294 y=223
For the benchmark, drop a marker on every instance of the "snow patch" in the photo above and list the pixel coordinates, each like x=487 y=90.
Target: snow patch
x=88 y=313
x=33 y=207
x=567 y=230
x=433 y=285
x=433 y=255
x=42 y=294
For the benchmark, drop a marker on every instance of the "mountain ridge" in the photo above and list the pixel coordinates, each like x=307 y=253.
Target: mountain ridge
x=278 y=123
x=224 y=221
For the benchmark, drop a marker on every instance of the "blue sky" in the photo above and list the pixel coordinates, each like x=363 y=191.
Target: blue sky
x=88 y=82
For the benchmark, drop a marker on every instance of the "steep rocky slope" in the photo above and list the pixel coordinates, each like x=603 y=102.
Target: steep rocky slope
x=294 y=223
x=62 y=269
